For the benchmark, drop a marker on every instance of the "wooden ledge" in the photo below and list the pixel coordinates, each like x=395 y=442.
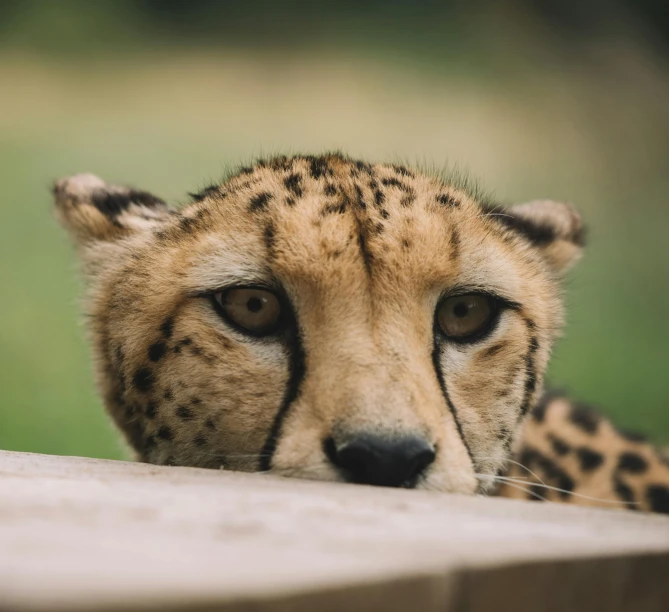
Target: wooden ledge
x=84 y=534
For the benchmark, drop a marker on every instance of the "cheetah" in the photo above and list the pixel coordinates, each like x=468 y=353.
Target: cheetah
x=326 y=318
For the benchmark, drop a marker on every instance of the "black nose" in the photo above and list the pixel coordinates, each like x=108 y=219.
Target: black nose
x=379 y=461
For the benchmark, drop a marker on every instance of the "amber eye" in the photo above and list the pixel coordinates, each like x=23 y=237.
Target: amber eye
x=464 y=317
x=256 y=311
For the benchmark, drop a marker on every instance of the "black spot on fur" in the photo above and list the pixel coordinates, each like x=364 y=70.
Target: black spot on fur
x=624 y=492
x=167 y=327
x=188 y=224
x=290 y=201
x=199 y=440
x=179 y=345
x=330 y=190
x=385 y=214
x=336 y=208
x=293 y=183
x=406 y=243
x=446 y=199
x=168 y=395
x=632 y=463
x=143 y=380
x=560 y=447
x=150 y=410
x=532 y=458
x=360 y=201
x=589 y=459
x=318 y=167
x=156 y=351
x=209 y=424
x=658 y=498
x=403 y=171
x=185 y=414
x=393 y=182
x=379 y=198
x=584 y=418
x=408 y=198
x=165 y=433
x=259 y=201
x=363 y=167
x=204 y=193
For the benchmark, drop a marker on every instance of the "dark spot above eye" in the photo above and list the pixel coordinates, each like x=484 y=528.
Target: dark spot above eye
x=143 y=380
x=165 y=433
x=632 y=463
x=156 y=351
x=658 y=498
x=589 y=459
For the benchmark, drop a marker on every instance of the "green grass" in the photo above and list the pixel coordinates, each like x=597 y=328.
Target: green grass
x=171 y=124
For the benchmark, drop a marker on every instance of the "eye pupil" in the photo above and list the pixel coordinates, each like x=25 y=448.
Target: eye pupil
x=254 y=304
x=461 y=310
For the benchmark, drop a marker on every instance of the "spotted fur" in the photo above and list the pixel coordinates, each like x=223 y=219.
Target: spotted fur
x=360 y=254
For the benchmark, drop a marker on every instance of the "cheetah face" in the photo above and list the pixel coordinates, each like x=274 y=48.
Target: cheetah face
x=322 y=318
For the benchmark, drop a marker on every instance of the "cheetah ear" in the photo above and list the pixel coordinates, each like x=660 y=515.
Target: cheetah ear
x=93 y=210
x=554 y=228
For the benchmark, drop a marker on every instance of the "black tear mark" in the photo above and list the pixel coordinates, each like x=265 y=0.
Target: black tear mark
x=184 y=413
x=436 y=363
x=632 y=463
x=584 y=418
x=165 y=433
x=156 y=351
x=293 y=183
x=143 y=380
x=658 y=498
x=297 y=369
x=530 y=371
x=259 y=201
x=589 y=459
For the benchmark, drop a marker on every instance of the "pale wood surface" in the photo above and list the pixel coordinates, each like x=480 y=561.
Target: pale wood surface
x=83 y=534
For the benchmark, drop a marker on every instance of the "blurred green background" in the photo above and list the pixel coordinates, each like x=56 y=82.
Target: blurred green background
x=537 y=99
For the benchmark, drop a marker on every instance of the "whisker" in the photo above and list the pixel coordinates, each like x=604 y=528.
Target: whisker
x=514 y=486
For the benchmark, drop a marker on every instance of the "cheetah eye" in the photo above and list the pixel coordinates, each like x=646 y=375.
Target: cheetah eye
x=466 y=318
x=255 y=311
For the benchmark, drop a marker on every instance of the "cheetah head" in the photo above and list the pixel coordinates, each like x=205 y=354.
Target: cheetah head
x=322 y=318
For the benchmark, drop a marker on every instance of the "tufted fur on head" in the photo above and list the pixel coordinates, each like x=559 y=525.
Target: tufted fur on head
x=359 y=257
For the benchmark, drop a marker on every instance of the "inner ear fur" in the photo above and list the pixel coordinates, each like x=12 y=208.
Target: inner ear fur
x=554 y=228
x=91 y=209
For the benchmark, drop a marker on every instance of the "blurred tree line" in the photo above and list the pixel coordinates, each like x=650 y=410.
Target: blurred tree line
x=70 y=25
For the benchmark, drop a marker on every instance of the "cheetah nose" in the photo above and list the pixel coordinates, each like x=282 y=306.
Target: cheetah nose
x=380 y=461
